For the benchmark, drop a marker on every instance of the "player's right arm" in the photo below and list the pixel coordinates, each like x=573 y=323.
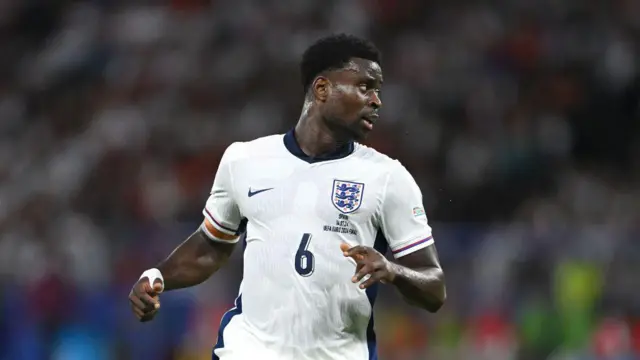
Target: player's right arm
x=202 y=253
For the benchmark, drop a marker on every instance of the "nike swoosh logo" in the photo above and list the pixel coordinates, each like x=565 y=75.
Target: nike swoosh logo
x=252 y=193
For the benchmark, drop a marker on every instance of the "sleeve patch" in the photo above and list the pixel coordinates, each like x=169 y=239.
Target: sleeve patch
x=418 y=211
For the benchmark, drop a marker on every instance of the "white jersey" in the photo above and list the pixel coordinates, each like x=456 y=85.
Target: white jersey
x=296 y=300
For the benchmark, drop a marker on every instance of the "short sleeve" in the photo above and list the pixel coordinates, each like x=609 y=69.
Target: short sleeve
x=223 y=220
x=403 y=219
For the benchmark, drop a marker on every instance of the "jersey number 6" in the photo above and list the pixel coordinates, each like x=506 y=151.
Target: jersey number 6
x=304 y=258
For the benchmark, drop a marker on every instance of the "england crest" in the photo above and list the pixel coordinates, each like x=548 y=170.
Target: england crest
x=347 y=195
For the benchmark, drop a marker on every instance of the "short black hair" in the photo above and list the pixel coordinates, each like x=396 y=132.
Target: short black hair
x=334 y=52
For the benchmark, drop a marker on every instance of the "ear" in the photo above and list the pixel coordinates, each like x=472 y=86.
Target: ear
x=321 y=88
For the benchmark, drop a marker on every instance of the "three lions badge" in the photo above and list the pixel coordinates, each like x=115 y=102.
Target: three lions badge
x=347 y=195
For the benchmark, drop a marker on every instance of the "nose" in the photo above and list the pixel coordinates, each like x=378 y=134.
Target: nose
x=374 y=100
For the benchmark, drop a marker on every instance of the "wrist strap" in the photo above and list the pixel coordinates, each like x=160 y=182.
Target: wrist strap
x=153 y=274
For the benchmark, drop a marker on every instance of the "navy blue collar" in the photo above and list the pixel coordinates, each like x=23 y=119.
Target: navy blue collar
x=291 y=144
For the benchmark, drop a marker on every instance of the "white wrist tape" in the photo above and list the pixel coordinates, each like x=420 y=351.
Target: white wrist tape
x=153 y=274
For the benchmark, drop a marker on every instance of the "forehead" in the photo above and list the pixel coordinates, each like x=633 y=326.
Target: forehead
x=362 y=68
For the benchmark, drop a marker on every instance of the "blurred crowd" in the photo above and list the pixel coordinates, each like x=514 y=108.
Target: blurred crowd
x=520 y=120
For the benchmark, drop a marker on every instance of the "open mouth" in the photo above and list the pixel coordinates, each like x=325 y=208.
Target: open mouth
x=368 y=124
x=370 y=120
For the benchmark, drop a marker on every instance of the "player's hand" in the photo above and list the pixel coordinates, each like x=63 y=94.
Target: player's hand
x=144 y=299
x=369 y=262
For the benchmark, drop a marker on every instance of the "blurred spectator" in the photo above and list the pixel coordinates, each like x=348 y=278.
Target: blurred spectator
x=519 y=119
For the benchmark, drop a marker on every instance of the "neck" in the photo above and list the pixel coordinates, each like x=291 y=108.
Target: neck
x=315 y=138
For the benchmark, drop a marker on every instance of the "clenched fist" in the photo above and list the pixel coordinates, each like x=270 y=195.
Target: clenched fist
x=144 y=298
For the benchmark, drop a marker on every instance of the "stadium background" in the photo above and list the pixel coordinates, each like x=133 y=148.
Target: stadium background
x=518 y=118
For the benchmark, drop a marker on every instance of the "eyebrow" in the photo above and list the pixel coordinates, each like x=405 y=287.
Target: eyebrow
x=373 y=78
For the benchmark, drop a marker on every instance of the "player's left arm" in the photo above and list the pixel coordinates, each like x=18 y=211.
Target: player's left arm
x=420 y=278
x=417 y=272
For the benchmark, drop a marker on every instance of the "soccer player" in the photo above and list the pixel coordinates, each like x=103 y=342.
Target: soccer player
x=318 y=211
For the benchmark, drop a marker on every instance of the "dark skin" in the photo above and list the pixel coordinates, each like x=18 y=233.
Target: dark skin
x=190 y=264
x=418 y=276
x=333 y=114
x=341 y=105
x=336 y=106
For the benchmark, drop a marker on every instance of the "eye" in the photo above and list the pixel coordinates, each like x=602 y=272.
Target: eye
x=363 y=87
